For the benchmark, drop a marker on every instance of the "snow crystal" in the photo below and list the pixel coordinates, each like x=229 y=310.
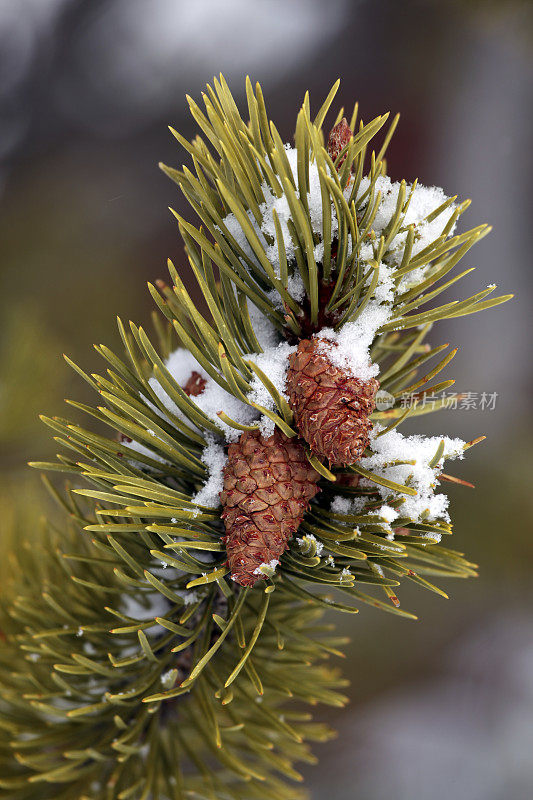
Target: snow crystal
x=389 y=514
x=267 y=567
x=346 y=573
x=309 y=538
x=348 y=505
x=421 y=449
x=425 y=200
x=430 y=535
x=214 y=457
x=341 y=505
x=295 y=286
x=168 y=678
x=385 y=287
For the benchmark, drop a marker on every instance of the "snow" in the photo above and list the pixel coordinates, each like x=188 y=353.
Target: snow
x=212 y=400
x=138 y=447
x=265 y=332
x=274 y=362
x=281 y=206
x=168 y=678
x=349 y=348
x=346 y=573
x=308 y=539
x=267 y=568
x=267 y=230
x=426 y=505
x=389 y=514
x=214 y=457
x=436 y=537
x=385 y=287
x=181 y=363
x=347 y=505
x=341 y=505
x=421 y=449
x=424 y=200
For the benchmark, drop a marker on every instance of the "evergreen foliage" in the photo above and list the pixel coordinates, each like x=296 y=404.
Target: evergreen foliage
x=91 y=668
x=133 y=662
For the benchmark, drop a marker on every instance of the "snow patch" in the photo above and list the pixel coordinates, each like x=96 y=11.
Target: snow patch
x=266 y=231
x=169 y=678
x=265 y=332
x=421 y=476
x=274 y=362
x=308 y=539
x=214 y=457
x=351 y=345
x=267 y=568
x=212 y=400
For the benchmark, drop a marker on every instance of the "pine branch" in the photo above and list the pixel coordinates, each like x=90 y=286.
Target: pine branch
x=151 y=632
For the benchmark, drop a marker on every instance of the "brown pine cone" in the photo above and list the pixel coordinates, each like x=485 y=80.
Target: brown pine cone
x=339 y=136
x=195 y=384
x=331 y=407
x=268 y=484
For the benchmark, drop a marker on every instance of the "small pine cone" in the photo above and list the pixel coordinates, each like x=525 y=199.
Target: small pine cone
x=339 y=137
x=195 y=384
x=268 y=484
x=331 y=407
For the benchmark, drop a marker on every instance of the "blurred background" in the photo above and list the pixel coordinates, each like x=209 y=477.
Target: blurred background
x=442 y=707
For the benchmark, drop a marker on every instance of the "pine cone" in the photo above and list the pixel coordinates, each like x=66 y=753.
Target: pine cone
x=195 y=384
x=268 y=484
x=339 y=136
x=331 y=407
